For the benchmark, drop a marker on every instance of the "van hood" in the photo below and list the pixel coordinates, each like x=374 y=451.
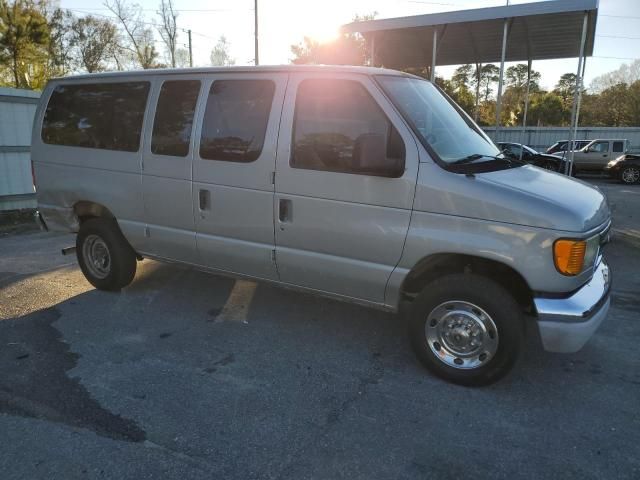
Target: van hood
x=525 y=195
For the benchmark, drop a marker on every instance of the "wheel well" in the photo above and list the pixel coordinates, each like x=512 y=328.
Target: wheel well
x=85 y=210
x=430 y=268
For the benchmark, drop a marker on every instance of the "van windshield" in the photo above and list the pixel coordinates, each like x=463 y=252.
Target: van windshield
x=445 y=130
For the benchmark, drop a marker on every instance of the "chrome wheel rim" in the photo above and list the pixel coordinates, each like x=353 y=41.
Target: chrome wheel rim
x=549 y=166
x=96 y=256
x=630 y=175
x=461 y=334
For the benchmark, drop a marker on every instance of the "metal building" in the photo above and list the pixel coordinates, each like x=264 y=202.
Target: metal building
x=17 y=109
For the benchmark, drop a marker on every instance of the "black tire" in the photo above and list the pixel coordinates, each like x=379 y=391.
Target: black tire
x=630 y=174
x=492 y=299
x=119 y=267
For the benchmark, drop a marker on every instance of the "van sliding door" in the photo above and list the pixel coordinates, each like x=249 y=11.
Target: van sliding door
x=233 y=172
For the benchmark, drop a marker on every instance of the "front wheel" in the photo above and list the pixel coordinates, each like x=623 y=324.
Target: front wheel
x=105 y=257
x=630 y=174
x=466 y=329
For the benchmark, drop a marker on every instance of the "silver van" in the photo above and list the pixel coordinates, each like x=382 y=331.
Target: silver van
x=363 y=184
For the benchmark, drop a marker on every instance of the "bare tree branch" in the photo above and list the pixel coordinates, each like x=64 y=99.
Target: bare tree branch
x=140 y=38
x=168 y=29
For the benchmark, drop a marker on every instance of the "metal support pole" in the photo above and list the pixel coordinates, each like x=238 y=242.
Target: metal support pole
x=433 y=54
x=526 y=106
x=478 y=75
x=372 y=60
x=190 y=49
x=584 y=64
x=505 y=33
x=256 y=59
x=576 y=96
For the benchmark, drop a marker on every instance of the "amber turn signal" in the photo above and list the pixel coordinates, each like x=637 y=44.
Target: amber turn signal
x=568 y=256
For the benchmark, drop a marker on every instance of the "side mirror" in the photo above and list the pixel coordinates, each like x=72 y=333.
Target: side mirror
x=370 y=156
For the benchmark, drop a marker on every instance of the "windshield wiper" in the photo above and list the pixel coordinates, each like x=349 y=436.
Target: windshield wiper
x=477 y=156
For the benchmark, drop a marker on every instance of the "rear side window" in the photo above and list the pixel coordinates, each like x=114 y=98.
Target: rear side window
x=618 y=147
x=235 y=120
x=332 y=118
x=174 y=117
x=102 y=115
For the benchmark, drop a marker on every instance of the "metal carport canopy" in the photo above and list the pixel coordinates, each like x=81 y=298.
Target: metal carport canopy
x=537 y=31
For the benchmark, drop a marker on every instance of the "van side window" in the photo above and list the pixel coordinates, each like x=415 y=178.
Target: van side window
x=100 y=115
x=618 y=147
x=174 y=117
x=333 y=119
x=235 y=120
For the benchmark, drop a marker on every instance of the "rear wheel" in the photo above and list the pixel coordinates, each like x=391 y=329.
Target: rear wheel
x=105 y=257
x=630 y=174
x=466 y=329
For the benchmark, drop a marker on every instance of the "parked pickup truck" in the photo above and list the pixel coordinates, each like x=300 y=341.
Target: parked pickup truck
x=597 y=154
x=362 y=184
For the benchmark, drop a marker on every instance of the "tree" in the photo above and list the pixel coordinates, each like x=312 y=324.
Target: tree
x=220 y=56
x=516 y=77
x=545 y=109
x=488 y=75
x=141 y=42
x=182 y=58
x=347 y=49
x=514 y=96
x=462 y=76
x=614 y=105
x=627 y=73
x=168 y=29
x=95 y=40
x=24 y=40
x=565 y=88
x=60 y=49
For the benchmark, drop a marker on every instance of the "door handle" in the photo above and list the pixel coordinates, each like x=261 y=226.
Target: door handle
x=285 y=210
x=204 y=198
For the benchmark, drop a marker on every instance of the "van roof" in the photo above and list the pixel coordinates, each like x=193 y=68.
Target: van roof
x=243 y=69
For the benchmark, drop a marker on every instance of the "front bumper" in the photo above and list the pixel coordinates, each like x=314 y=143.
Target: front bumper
x=613 y=171
x=566 y=324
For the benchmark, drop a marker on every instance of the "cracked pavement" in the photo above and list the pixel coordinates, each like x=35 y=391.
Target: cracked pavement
x=161 y=381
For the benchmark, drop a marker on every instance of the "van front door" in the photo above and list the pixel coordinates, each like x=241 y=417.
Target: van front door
x=595 y=158
x=166 y=170
x=233 y=172
x=345 y=182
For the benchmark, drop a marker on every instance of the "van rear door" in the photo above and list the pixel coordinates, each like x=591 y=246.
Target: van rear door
x=233 y=172
x=167 y=166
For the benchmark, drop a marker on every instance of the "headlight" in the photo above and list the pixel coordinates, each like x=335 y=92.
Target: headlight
x=571 y=256
x=615 y=160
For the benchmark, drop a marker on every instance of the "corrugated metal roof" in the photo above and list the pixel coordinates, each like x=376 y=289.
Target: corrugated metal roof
x=539 y=31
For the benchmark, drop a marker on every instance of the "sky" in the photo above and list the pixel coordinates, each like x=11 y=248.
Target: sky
x=285 y=22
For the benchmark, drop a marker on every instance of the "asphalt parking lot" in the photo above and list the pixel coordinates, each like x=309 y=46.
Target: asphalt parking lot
x=188 y=375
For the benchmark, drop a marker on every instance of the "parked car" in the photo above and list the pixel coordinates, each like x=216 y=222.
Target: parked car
x=529 y=155
x=561 y=146
x=626 y=168
x=362 y=184
x=596 y=155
